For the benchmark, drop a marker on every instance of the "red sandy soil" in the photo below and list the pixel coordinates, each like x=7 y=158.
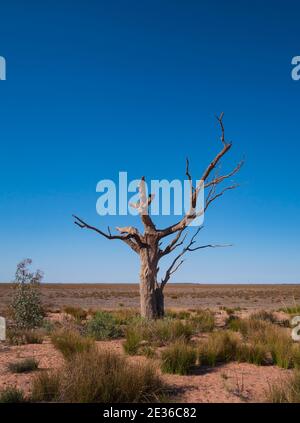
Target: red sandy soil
x=231 y=382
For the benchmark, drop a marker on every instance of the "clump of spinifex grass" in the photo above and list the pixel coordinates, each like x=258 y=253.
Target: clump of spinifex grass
x=274 y=340
x=70 y=342
x=100 y=376
x=46 y=387
x=256 y=353
x=158 y=332
x=11 y=395
x=24 y=366
x=286 y=391
x=78 y=313
x=178 y=358
x=16 y=336
x=203 y=320
x=219 y=347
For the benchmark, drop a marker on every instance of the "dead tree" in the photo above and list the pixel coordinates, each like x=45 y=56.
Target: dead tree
x=148 y=244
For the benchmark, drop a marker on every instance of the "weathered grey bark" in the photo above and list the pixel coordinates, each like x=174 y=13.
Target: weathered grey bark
x=151 y=293
x=148 y=244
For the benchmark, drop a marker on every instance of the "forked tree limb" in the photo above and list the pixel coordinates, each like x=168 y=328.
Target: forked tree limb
x=188 y=248
x=192 y=214
x=133 y=239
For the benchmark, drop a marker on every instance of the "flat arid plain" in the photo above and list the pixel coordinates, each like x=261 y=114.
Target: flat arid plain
x=180 y=296
x=210 y=310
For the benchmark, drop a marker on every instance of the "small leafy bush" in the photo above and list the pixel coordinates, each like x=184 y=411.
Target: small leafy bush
x=178 y=358
x=70 y=343
x=26 y=305
x=103 y=326
x=24 y=366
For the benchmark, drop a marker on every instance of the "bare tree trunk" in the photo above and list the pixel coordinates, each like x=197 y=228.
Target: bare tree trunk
x=148 y=243
x=152 y=299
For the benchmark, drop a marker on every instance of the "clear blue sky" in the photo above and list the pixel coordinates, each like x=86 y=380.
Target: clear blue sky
x=96 y=87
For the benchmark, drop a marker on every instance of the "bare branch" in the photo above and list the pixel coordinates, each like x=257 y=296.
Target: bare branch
x=191 y=215
x=220 y=120
x=174 y=243
x=174 y=265
x=132 y=238
x=213 y=198
x=220 y=179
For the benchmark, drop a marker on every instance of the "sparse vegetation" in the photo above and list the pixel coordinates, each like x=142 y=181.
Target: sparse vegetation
x=69 y=343
x=178 y=358
x=24 y=366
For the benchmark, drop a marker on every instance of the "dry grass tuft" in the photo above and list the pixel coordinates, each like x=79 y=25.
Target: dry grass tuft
x=70 y=343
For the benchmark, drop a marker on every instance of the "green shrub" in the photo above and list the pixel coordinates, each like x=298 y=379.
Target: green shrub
x=178 y=358
x=24 y=366
x=46 y=387
x=17 y=336
x=26 y=304
x=218 y=347
x=103 y=326
x=70 y=343
x=11 y=395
